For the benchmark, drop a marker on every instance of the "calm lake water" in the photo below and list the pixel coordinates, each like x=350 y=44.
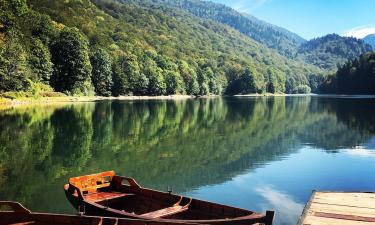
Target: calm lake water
x=254 y=153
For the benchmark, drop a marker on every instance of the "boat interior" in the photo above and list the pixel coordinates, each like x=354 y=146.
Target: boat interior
x=126 y=196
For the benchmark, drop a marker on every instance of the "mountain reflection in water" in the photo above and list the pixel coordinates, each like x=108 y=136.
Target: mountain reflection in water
x=198 y=147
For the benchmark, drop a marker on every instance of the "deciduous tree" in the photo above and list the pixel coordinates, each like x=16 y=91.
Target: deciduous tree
x=101 y=72
x=13 y=64
x=72 y=67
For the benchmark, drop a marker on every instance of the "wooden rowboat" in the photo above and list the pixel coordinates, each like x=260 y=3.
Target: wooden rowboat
x=16 y=214
x=105 y=194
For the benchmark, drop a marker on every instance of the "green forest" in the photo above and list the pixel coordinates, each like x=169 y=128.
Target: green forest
x=354 y=77
x=119 y=47
x=332 y=51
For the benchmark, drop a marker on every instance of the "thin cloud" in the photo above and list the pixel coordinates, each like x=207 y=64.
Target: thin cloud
x=246 y=5
x=361 y=152
x=287 y=208
x=360 y=32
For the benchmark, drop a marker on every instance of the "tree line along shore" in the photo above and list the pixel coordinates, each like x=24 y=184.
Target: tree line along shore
x=106 y=48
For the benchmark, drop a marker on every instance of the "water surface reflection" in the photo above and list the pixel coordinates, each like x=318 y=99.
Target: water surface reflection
x=256 y=153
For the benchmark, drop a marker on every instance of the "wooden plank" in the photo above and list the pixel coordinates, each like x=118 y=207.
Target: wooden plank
x=344 y=217
x=23 y=223
x=333 y=208
x=165 y=212
x=317 y=207
x=312 y=220
x=92 y=182
x=349 y=199
x=104 y=196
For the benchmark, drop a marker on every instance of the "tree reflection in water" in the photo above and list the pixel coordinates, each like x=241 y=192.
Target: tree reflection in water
x=185 y=144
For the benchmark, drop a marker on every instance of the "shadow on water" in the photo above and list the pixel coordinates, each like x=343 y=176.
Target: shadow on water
x=185 y=144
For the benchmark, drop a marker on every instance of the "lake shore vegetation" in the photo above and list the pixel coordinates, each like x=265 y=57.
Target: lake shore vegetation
x=134 y=48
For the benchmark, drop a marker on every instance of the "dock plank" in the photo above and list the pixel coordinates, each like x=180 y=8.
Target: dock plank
x=318 y=207
x=330 y=221
x=350 y=199
x=326 y=208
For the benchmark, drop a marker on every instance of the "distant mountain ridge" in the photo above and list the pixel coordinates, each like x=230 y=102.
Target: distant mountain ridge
x=289 y=33
x=325 y=52
x=370 y=39
x=331 y=50
x=280 y=39
x=159 y=47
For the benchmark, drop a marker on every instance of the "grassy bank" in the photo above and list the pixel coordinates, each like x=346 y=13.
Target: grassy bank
x=60 y=99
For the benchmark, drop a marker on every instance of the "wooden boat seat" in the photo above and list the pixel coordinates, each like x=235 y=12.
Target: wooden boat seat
x=176 y=208
x=92 y=187
x=101 y=196
x=165 y=212
x=91 y=183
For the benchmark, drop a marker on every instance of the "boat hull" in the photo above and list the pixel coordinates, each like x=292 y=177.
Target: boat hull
x=21 y=215
x=136 y=202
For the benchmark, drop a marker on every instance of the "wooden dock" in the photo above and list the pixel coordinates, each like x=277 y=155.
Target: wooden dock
x=339 y=208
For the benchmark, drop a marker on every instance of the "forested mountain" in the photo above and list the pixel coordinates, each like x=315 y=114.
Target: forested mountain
x=355 y=77
x=159 y=47
x=280 y=39
x=78 y=47
x=370 y=39
x=329 y=51
x=317 y=51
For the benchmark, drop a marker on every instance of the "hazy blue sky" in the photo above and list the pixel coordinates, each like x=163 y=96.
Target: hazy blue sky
x=313 y=18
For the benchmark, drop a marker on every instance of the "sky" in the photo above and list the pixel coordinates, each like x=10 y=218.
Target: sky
x=313 y=18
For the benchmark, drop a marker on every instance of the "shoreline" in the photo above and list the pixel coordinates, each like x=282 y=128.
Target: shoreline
x=72 y=99
x=305 y=95
x=6 y=103
x=271 y=95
